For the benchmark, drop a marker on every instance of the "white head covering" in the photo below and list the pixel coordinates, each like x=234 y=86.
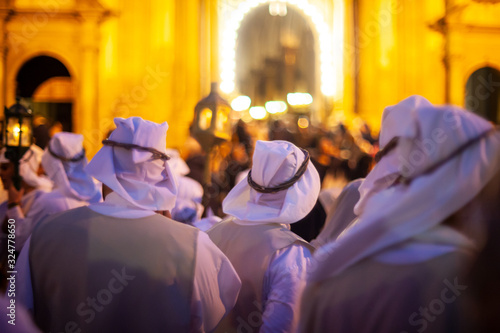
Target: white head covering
x=64 y=161
x=274 y=162
x=134 y=174
x=176 y=163
x=383 y=175
x=28 y=168
x=188 y=207
x=449 y=155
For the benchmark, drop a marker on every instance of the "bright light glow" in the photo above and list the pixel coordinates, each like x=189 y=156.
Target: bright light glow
x=303 y=123
x=241 y=103
x=331 y=63
x=296 y=99
x=335 y=84
x=277 y=8
x=258 y=112
x=205 y=119
x=14 y=132
x=276 y=107
x=227 y=86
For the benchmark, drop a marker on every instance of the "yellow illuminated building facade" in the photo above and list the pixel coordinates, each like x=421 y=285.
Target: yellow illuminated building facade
x=98 y=59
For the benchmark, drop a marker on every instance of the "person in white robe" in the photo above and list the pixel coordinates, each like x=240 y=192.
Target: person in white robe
x=64 y=161
x=18 y=205
x=281 y=188
x=122 y=265
x=421 y=221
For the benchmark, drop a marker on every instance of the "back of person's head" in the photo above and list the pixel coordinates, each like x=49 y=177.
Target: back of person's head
x=64 y=161
x=133 y=163
x=282 y=186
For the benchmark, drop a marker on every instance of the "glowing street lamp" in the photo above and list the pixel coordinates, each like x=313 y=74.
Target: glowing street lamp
x=211 y=125
x=241 y=103
x=274 y=107
x=299 y=99
x=17 y=136
x=258 y=112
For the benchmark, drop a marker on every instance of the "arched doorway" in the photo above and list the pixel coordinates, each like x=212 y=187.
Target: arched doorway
x=275 y=54
x=482 y=94
x=45 y=83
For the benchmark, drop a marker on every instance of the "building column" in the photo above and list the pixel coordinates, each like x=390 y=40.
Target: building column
x=86 y=107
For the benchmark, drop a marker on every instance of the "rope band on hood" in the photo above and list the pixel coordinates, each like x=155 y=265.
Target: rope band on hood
x=456 y=152
x=282 y=186
x=78 y=158
x=157 y=155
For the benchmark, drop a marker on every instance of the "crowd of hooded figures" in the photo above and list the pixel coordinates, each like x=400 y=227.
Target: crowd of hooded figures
x=122 y=243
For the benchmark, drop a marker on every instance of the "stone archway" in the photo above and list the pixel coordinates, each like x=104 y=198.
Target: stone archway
x=482 y=93
x=324 y=41
x=46 y=84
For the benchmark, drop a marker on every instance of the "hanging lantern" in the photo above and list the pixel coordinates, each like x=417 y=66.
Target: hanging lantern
x=17 y=135
x=211 y=125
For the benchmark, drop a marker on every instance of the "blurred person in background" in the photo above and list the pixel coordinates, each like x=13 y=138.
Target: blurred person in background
x=64 y=162
x=19 y=202
x=340 y=215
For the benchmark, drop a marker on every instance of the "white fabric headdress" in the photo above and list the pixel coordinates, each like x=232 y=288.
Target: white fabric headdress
x=274 y=162
x=64 y=161
x=28 y=168
x=188 y=207
x=137 y=175
x=443 y=158
x=176 y=163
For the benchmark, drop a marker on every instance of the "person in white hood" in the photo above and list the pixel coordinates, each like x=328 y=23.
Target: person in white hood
x=19 y=204
x=422 y=214
x=63 y=161
x=281 y=188
x=188 y=205
x=122 y=265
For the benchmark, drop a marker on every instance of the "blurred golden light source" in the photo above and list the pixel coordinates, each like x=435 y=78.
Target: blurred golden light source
x=276 y=107
x=14 y=132
x=241 y=103
x=258 y=112
x=277 y=8
x=330 y=60
x=227 y=86
x=205 y=119
x=303 y=123
x=296 y=99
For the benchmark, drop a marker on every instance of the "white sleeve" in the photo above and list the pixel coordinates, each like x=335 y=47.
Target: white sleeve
x=24 y=289
x=216 y=286
x=284 y=283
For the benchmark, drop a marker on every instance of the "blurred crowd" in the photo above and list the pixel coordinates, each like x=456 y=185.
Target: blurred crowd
x=291 y=230
x=339 y=155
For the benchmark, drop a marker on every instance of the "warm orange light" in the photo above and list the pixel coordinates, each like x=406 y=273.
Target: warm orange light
x=303 y=123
